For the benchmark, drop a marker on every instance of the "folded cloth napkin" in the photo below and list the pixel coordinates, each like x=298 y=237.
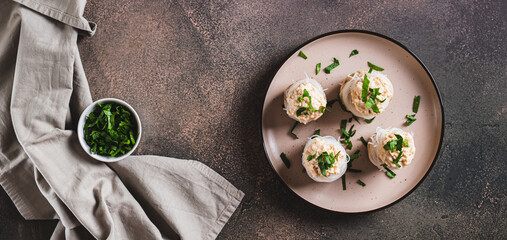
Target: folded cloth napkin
x=43 y=90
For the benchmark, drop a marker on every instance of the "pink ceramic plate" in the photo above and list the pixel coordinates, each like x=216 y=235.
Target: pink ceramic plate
x=409 y=77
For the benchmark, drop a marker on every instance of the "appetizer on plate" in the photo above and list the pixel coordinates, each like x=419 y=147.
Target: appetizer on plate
x=305 y=100
x=366 y=94
x=324 y=158
x=391 y=148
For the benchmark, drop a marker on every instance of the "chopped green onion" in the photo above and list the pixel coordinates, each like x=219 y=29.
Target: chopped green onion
x=369 y=120
x=330 y=103
x=398 y=159
x=310 y=157
x=304 y=170
x=354 y=170
x=352 y=133
x=292 y=130
x=361 y=183
x=317 y=69
x=354 y=52
x=325 y=161
x=355 y=118
x=364 y=92
x=377 y=68
x=375 y=108
x=344 y=183
x=343 y=127
x=354 y=156
x=317 y=132
x=300 y=111
x=301 y=54
x=389 y=173
x=410 y=119
x=348 y=142
x=332 y=66
x=285 y=160
x=110 y=130
x=399 y=142
x=364 y=141
x=415 y=107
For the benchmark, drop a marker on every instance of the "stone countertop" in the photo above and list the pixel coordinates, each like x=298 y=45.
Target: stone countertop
x=196 y=73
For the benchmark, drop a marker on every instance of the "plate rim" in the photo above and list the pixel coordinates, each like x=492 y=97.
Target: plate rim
x=437 y=154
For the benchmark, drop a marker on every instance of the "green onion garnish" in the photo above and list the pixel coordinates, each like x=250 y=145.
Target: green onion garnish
x=343 y=127
x=369 y=120
x=348 y=142
x=310 y=157
x=398 y=159
x=364 y=141
x=364 y=92
x=304 y=170
x=301 y=54
x=352 y=133
x=354 y=52
x=332 y=66
x=317 y=132
x=292 y=130
x=346 y=135
x=355 y=118
x=285 y=160
x=317 y=69
x=375 y=108
x=361 y=183
x=310 y=107
x=344 y=183
x=110 y=130
x=325 y=161
x=410 y=119
x=300 y=111
x=415 y=107
x=330 y=103
x=353 y=170
x=389 y=173
x=354 y=156
x=371 y=65
x=349 y=164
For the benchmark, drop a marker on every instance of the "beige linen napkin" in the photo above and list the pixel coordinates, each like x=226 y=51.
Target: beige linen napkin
x=43 y=90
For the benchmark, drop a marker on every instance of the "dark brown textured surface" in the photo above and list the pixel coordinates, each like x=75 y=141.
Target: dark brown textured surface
x=196 y=73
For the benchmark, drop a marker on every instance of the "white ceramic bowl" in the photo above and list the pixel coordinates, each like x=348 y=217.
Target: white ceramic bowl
x=82 y=120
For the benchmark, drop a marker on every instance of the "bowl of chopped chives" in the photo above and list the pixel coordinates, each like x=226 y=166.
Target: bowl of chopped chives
x=109 y=130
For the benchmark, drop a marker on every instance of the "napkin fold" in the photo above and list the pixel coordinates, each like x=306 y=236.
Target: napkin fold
x=43 y=90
